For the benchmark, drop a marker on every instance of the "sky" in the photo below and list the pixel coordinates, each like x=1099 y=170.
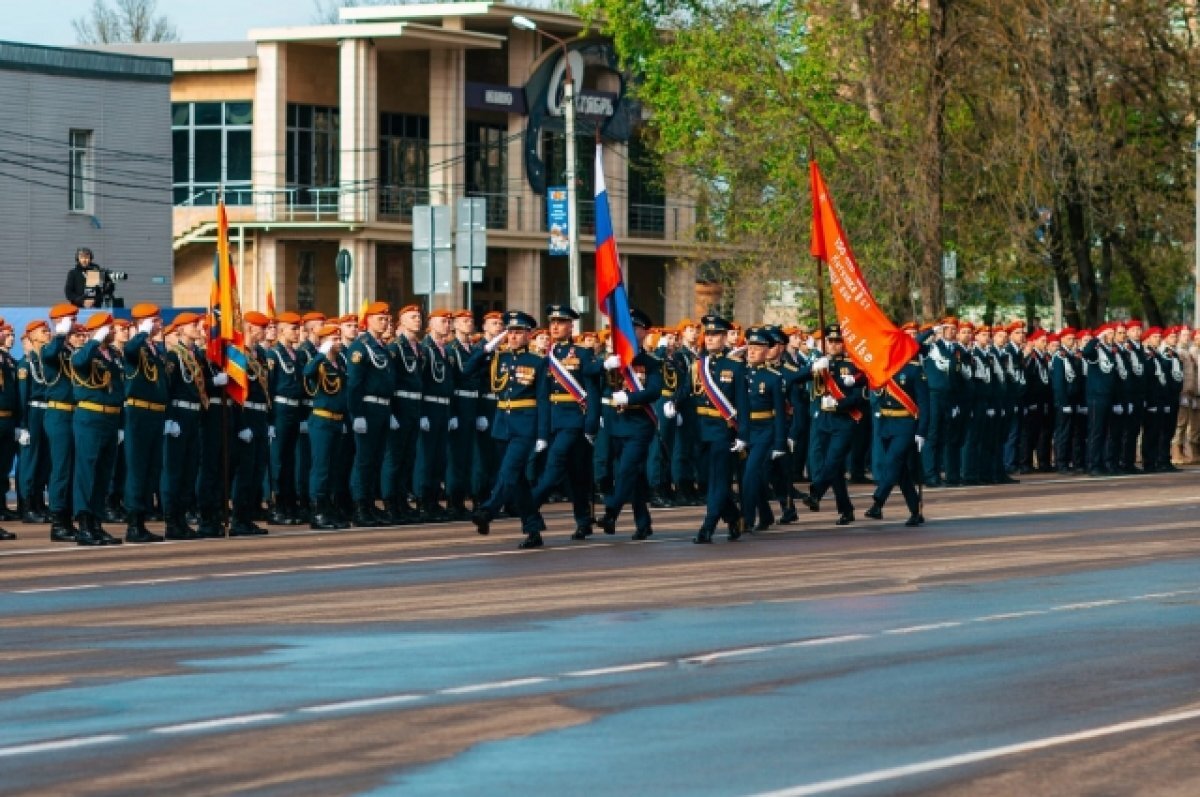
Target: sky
x=196 y=20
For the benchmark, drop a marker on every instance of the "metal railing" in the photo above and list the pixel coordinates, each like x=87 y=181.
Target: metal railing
x=647 y=221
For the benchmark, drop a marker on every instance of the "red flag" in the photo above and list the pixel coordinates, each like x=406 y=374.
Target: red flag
x=226 y=346
x=873 y=342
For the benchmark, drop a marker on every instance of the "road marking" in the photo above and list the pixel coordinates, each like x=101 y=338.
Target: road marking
x=917 y=629
x=221 y=722
x=351 y=705
x=645 y=665
x=826 y=640
x=949 y=762
x=69 y=588
x=493 y=686
x=728 y=654
x=1010 y=615
x=61 y=744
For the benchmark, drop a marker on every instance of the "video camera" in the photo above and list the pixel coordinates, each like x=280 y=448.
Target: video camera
x=102 y=286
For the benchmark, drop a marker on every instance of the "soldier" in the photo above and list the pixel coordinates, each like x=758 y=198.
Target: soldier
x=574 y=376
x=1066 y=393
x=34 y=467
x=1174 y=390
x=717 y=390
x=11 y=423
x=941 y=365
x=1010 y=344
x=437 y=421
x=96 y=375
x=324 y=383
x=486 y=459
x=838 y=386
x=522 y=423
x=1102 y=361
x=1136 y=359
x=902 y=420
x=408 y=363
x=185 y=411
x=305 y=351
x=254 y=433
x=632 y=392
x=1183 y=447
x=216 y=441
x=370 y=384
x=766 y=436
x=285 y=383
x=465 y=408
x=1037 y=405
x=145 y=421
x=60 y=409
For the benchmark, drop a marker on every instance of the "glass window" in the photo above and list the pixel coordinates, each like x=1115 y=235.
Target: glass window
x=237 y=155
x=403 y=163
x=180 y=147
x=238 y=113
x=211 y=148
x=181 y=114
x=208 y=114
x=79 y=177
x=312 y=153
x=306 y=282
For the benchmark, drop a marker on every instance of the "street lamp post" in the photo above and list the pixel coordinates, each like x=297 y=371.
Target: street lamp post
x=574 y=277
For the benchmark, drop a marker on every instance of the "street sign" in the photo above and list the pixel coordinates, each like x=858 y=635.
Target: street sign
x=433 y=259
x=442 y=269
x=470 y=240
x=472 y=213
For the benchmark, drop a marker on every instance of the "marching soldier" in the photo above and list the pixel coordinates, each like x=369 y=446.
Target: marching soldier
x=187 y=402
x=254 y=433
x=522 y=422
x=838 y=387
x=465 y=408
x=10 y=418
x=216 y=441
x=767 y=433
x=1174 y=390
x=1102 y=362
x=145 y=421
x=1067 y=395
x=34 y=465
x=574 y=419
x=436 y=421
x=487 y=458
x=324 y=383
x=1037 y=405
x=902 y=421
x=370 y=384
x=717 y=389
x=408 y=356
x=97 y=376
x=311 y=324
x=632 y=393
x=60 y=412
x=285 y=377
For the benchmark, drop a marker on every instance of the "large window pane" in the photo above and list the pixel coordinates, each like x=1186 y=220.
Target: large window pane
x=207 y=167
x=181 y=156
x=181 y=114
x=208 y=114
x=237 y=155
x=238 y=113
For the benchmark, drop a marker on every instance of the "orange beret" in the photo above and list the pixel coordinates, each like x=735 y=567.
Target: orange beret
x=328 y=329
x=98 y=320
x=791 y=330
x=907 y=325
x=78 y=329
x=348 y=318
x=64 y=310
x=377 y=308
x=441 y=314
x=494 y=314
x=256 y=318
x=32 y=325
x=409 y=308
x=171 y=327
x=464 y=314
x=145 y=310
x=186 y=318
x=288 y=317
x=304 y=319
x=122 y=323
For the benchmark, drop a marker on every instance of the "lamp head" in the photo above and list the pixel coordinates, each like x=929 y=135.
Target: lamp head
x=524 y=23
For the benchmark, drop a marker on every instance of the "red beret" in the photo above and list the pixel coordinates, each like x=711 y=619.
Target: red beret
x=1066 y=331
x=304 y=319
x=256 y=318
x=32 y=325
x=409 y=308
x=441 y=314
x=63 y=310
x=98 y=320
x=288 y=317
x=144 y=310
x=1152 y=331
x=1037 y=334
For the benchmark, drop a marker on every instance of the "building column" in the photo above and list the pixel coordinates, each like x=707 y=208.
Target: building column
x=269 y=133
x=524 y=206
x=358 y=97
x=447 y=134
x=270 y=267
x=680 y=292
x=363 y=284
x=523 y=282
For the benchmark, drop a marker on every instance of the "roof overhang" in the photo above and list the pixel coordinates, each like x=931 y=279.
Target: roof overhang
x=386 y=35
x=502 y=13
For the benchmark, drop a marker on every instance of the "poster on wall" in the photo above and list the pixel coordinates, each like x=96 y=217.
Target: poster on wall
x=557 y=220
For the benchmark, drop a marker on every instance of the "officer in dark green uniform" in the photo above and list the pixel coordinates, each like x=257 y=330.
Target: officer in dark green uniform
x=60 y=412
x=370 y=383
x=325 y=383
x=767 y=433
x=249 y=453
x=146 y=423
x=10 y=417
x=518 y=378
x=902 y=422
x=96 y=375
x=187 y=402
x=408 y=364
x=437 y=420
x=34 y=467
x=285 y=371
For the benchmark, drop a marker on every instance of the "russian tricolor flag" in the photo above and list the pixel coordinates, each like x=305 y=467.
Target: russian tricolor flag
x=610 y=288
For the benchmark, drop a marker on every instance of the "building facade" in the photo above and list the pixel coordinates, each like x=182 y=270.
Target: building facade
x=85 y=161
x=324 y=138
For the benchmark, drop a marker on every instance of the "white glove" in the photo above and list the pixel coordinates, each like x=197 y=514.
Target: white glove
x=360 y=426
x=1119 y=409
x=591 y=438
x=100 y=334
x=147 y=326
x=820 y=365
x=776 y=455
x=620 y=398
x=495 y=342
x=679 y=420
x=326 y=347
x=828 y=403
x=738 y=446
x=424 y=424
x=62 y=326
x=954 y=412
x=481 y=424
x=393 y=424
x=1083 y=410
x=1003 y=413
x=246 y=435
x=453 y=425
x=171 y=428
x=270 y=433
x=920 y=442
x=120 y=436
x=221 y=379
x=540 y=446
x=791 y=445
x=810 y=341
x=991 y=413
x=601 y=422
x=612 y=362
x=1129 y=408
x=668 y=409
x=22 y=436
x=303 y=427
x=1067 y=410
x=848 y=380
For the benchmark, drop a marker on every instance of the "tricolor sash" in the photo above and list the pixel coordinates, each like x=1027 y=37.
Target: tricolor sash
x=897 y=392
x=566 y=381
x=715 y=396
x=634 y=385
x=834 y=388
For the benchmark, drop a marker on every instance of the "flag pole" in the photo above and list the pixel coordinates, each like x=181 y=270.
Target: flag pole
x=223 y=270
x=817 y=260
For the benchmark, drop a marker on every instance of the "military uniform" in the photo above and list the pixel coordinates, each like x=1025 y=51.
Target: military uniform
x=408 y=366
x=1067 y=396
x=1173 y=369
x=465 y=408
x=370 y=384
x=962 y=391
x=146 y=396
x=187 y=403
x=34 y=466
x=940 y=363
x=1037 y=410
x=325 y=385
x=58 y=423
x=1101 y=381
x=285 y=385
x=97 y=377
x=251 y=445
x=902 y=419
x=437 y=422
x=766 y=435
x=11 y=419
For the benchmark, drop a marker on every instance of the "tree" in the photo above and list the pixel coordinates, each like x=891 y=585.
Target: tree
x=125 y=21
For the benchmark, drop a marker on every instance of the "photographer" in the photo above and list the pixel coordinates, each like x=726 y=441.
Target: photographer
x=89 y=285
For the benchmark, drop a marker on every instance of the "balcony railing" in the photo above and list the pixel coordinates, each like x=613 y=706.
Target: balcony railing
x=647 y=221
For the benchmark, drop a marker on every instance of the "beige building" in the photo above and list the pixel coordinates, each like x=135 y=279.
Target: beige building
x=325 y=137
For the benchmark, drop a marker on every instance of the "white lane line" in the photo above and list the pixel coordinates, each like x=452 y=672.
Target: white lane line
x=220 y=722
x=826 y=640
x=168 y=580
x=728 y=654
x=1074 y=607
x=645 y=665
x=69 y=588
x=1010 y=616
x=493 y=686
x=918 y=629
x=61 y=744
x=949 y=762
x=352 y=705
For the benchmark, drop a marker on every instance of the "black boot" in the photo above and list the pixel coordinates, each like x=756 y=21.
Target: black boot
x=813 y=504
x=736 y=527
x=703 y=537
x=533 y=540
x=608 y=523
x=363 y=516
x=321 y=518
x=61 y=529
x=482 y=521
x=844 y=519
x=100 y=533
x=875 y=512
x=85 y=535
x=243 y=524
x=211 y=526
x=31 y=515
x=136 y=531
x=643 y=534
x=177 y=527
x=582 y=531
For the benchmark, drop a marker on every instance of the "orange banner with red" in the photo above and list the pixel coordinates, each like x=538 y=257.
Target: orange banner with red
x=873 y=342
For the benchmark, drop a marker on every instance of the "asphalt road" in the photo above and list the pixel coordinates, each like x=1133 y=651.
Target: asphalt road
x=1041 y=638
